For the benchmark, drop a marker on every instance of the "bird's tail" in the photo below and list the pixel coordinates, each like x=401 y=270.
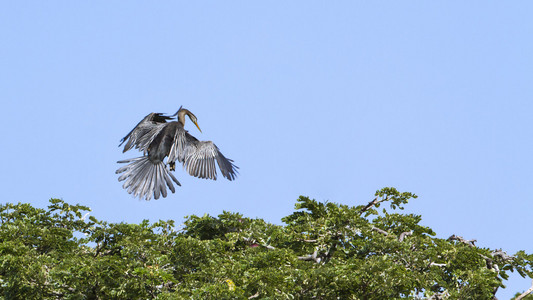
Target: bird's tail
x=144 y=178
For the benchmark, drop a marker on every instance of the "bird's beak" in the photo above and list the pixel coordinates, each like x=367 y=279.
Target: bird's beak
x=197 y=126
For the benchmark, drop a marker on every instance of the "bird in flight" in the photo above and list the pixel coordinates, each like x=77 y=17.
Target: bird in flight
x=158 y=139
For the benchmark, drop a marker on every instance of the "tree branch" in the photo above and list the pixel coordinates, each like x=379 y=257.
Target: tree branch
x=489 y=262
x=373 y=203
x=436 y=264
x=308 y=241
x=404 y=234
x=311 y=257
x=502 y=254
x=470 y=243
x=380 y=231
x=526 y=292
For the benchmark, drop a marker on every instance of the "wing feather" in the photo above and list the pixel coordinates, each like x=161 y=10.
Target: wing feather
x=177 y=150
x=199 y=157
x=144 y=132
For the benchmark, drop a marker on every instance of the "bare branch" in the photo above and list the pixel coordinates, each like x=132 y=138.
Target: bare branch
x=436 y=264
x=489 y=262
x=254 y=296
x=308 y=241
x=380 y=231
x=311 y=257
x=373 y=203
x=470 y=243
x=404 y=234
x=502 y=254
x=526 y=292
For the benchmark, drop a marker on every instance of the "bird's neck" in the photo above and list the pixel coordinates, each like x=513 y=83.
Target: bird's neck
x=181 y=118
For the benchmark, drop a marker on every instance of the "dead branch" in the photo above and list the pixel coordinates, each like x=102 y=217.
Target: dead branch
x=308 y=241
x=470 y=243
x=404 y=234
x=489 y=262
x=526 y=292
x=502 y=255
x=436 y=264
x=311 y=257
x=380 y=231
x=373 y=203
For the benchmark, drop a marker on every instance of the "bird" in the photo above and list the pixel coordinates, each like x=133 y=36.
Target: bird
x=157 y=137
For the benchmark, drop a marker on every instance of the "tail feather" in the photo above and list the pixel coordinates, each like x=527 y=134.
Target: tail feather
x=136 y=177
x=132 y=175
x=143 y=178
x=157 y=190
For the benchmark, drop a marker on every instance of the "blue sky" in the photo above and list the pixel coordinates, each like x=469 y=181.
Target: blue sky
x=328 y=100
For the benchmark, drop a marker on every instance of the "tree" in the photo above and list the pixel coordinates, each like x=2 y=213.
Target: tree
x=323 y=251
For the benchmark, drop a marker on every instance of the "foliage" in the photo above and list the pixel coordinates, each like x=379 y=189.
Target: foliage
x=324 y=251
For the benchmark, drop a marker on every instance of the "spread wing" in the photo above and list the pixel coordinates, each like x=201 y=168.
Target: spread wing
x=144 y=133
x=198 y=157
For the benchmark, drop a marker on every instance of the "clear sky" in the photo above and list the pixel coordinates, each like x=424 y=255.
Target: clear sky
x=332 y=100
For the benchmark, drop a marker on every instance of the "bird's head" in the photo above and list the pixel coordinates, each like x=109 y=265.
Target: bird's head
x=181 y=117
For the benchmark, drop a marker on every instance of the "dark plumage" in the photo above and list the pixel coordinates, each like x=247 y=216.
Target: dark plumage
x=148 y=175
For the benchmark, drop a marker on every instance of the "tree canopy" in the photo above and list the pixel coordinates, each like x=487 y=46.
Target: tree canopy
x=322 y=251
